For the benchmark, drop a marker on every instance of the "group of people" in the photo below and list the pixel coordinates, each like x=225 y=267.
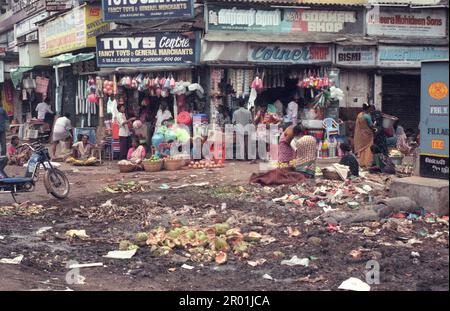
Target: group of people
x=371 y=142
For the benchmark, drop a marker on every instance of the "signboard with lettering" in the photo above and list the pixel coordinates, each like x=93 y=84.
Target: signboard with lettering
x=115 y=10
x=29 y=25
x=74 y=30
x=147 y=49
x=408 y=56
x=406 y=23
x=356 y=55
x=284 y=20
x=434 y=126
x=290 y=54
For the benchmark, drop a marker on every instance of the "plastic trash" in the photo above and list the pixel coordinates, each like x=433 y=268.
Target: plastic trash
x=355 y=284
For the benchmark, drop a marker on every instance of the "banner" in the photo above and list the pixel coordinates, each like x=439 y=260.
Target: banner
x=356 y=55
x=74 y=30
x=115 y=10
x=290 y=54
x=408 y=56
x=146 y=49
x=406 y=23
x=285 y=20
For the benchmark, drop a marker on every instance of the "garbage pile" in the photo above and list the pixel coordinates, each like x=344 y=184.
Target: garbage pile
x=200 y=244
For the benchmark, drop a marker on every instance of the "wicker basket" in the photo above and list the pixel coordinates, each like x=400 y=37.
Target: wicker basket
x=153 y=166
x=126 y=168
x=174 y=165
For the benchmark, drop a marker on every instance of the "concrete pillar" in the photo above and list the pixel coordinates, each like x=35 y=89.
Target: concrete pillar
x=378 y=89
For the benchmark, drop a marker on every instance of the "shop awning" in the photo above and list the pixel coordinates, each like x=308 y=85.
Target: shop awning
x=228 y=52
x=69 y=58
x=17 y=74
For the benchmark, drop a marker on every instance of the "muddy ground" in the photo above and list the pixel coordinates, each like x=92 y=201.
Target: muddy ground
x=227 y=198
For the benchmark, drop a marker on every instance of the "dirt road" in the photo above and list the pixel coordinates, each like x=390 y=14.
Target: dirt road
x=227 y=198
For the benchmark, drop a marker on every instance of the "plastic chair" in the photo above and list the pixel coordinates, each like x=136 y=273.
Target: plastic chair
x=331 y=127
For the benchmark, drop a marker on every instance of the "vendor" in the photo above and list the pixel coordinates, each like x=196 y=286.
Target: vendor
x=306 y=155
x=381 y=163
x=136 y=154
x=124 y=131
x=399 y=140
x=164 y=149
x=82 y=149
x=363 y=138
x=15 y=156
x=163 y=114
x=285 y=151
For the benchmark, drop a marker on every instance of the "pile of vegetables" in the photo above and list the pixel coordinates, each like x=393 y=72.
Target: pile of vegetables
x=153 y=159
x=206 y=164
x=200 y=244
x=395 y=154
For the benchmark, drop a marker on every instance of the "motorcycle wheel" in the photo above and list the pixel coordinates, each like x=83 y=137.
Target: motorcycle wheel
x=56 y=183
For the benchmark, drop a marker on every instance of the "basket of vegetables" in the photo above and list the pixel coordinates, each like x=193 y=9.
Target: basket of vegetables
x=154 y=164
x=126 y=166
x=396 y=157
x=173 y=164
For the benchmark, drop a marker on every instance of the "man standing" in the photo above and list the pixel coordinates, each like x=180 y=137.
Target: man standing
x=242 y=117
x=42 y=109
x=61 y=131
x=292 y=110
x=163 y=114
x=3 y=119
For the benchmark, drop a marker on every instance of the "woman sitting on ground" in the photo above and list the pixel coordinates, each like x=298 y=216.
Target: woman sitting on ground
x=349 y=159
x=306 y=155
x=285 y=151
x=136 y=154
x=381 y=162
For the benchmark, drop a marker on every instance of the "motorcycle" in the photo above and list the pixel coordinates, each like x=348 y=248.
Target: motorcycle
x=55 y=181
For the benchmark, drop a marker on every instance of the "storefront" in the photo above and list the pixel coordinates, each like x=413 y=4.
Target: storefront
x=399 y=67
x=69 y=40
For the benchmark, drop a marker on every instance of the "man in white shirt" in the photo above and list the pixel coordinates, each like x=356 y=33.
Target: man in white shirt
x=292 y=110
x=42 y=109
x=242 y=117
x=163 y=114
x=61 y=131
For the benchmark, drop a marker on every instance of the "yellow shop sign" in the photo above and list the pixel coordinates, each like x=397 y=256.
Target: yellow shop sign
x=72 y=31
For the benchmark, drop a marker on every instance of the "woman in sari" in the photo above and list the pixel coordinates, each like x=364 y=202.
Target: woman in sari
x=285 y=151
x=399 y=140
x=306 y=153
x=136 y=154
x=364 y=137
x=379 y=138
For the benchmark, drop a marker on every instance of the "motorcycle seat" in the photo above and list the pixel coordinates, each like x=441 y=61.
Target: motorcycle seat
x=16 y=180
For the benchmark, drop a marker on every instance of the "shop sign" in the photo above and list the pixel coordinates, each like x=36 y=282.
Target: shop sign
x=290 y=54
x=146 y=49
x=115 y=10
x=356 y=55
x=406 y=23
x=74 y=30
x=28 y=25
x=58 y=5
x=27 y=5
x=284 y=20
x=407 y=56
x=2 y=71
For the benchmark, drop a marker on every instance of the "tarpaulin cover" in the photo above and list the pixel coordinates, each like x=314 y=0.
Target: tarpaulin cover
x=17 y=74
x=69 y=58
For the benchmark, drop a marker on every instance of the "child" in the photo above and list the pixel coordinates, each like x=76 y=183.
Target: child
x=164 y=149
x=381 y=163
x=14 y=156
x=349 y=160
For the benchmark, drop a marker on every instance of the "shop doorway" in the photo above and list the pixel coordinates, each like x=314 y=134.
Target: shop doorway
x=401 y=98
